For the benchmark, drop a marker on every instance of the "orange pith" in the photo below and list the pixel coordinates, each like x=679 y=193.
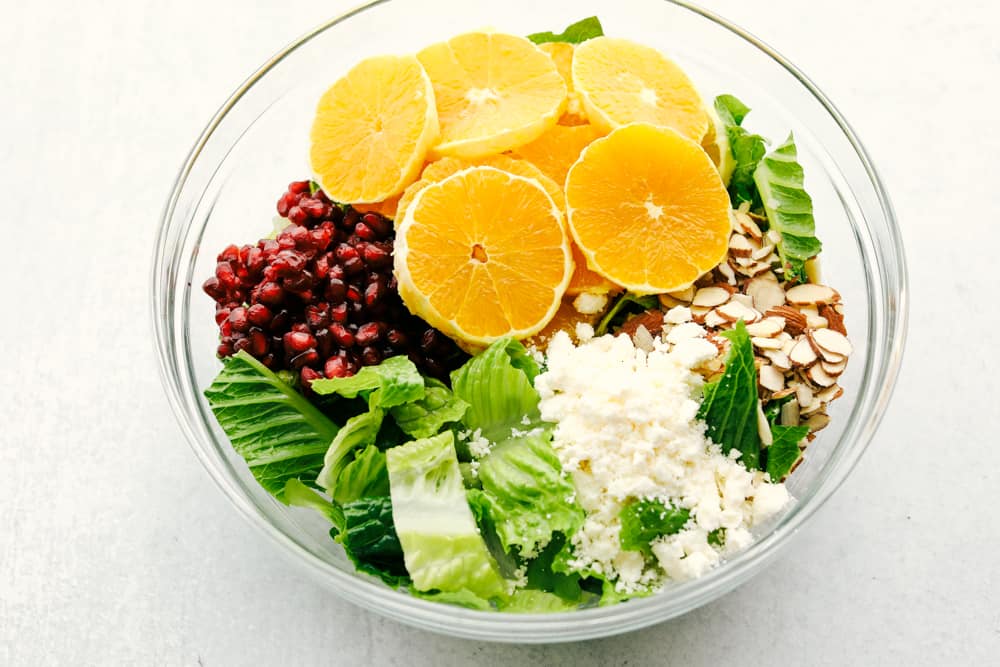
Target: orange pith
x=648 y=209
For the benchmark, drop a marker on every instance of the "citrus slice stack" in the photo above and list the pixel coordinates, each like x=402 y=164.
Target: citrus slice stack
x=648 y=209
x=562 y=55
x=483 y=254
x=555 y=151
x=494 y=92
x=373 y=129
x=621 y=82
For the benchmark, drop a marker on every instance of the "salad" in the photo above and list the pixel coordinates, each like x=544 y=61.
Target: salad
x=543 y=330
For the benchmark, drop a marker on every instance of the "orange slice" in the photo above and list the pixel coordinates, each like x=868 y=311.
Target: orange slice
x=372 y=130
x=386 y=207
x=483 y=254
x=622 y=82
x=648 y=209
x=562 y=55
x=555 y=151
x=445 y=167
x=494 y=92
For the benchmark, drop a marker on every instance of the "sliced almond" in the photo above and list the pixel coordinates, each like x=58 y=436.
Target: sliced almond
x=803 y=354
x=643 y=339
x=774 y=236
x=763 y=428
x=771 y=378
x=744 y=299
x=764 y=252
x=817 y=422
x=804 y=395
x=819 y=377
x=811 y=294
x=710 y=297
x=787 y=391
x=714 y=320
x=698 y=314
x=833 y=369
x=740 y=246
x=824 y=354
x=778 y=358
x=831 y=393
x=734 y=310
x=767 y=327
x=814 y=405
x=668 y=301
x=766 y=343
x=795 y=322
x=683 y=295
x=746 y=225
x=790 y=413
x=727 y=273
x=832 y=341
x=758 y=269
x=816 y=322
x=766 y=293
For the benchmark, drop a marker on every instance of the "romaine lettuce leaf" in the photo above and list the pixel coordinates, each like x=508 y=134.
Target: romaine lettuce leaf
x=529 y=497
x=369 y=538
x=275 y=429
x=784 y=450
x=497 y=386
x=747 y=150
x=393 y=382
x=789 y=209
x=646 y=519
x=426 y=416
x=462 y=598
x=359 y=431
x=729 y=405
x=532 y=601
x=298 y=494
x=441 y=544
x=364 y=477
x=543 y=574
x=575 y=33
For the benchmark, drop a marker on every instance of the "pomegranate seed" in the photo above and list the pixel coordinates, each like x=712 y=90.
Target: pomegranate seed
x=307 y=358
x=396 y=338
x=270 y=248
x=324 y=343
x=268 y=360
x=299 y=282
x=353 y=294
x=336 y=290
x=271 y=294
x=221 y=315
x=238 y=319
x=339 y=313
x=259 y=315
x=213 y=288
x=318 y=315
x=287 y=201
x=301 y=327
x=340 y=334
x=241 y=344
x=224 y=350
x=307 y=375
x=226 y=276
x=258 y=343
x=298 y=187
x=377 y=224
x=365 y=232
x=298 y=341
x=280 y=321
x=376 y=257
x=313 y=207
x=335 y=367
x=298 y=216
x=353 y=266
x=230 y=254
x=368 y=333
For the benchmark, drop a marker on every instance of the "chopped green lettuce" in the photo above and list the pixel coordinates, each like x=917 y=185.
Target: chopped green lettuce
x=496 y=384
x=747 y=150
x=442 y=547
x=779 y=178
x=426 y=416
x=359 y=431
x=646 y=519
x=369 y=538
x=528 y=495
x=298 y=494
x=461 y=598
x=575 y=33
x=279 y=433
x=729 y=405
x=532 y=601
x=364 y=477
x=784 y=450
x=627 y=304
x=393 y=382
x=549 y=572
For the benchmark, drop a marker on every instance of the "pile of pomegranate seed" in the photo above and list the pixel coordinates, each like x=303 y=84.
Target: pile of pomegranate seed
x=321 y=298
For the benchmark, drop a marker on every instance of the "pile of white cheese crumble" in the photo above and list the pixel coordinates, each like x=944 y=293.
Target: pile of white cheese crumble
x=626 y=428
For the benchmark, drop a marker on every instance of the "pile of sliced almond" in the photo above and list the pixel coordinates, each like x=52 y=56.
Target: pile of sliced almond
x=800 y=343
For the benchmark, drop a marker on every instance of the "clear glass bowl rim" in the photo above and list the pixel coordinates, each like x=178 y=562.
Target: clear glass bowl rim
x=581 y=624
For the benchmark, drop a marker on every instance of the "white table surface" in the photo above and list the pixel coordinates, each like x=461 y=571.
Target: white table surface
x=115 y=548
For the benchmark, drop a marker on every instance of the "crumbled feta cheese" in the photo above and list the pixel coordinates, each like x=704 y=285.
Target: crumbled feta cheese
x=590 y=304
x=627 y=427
x=478 y=445
x=678 y=315
x=584 y=332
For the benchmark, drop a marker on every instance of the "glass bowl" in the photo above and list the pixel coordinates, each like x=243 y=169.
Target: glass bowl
x=257 y=143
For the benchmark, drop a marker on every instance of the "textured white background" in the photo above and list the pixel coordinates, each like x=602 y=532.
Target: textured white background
x=115 y=548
